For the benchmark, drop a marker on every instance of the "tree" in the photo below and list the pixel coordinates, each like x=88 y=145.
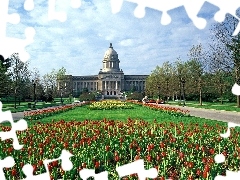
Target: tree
x=197 y=65
x=5 y=76
x=53 y=82
x=220 y=74
x=20 y=75
x=49 y=82
x=182 y=76
x=230 y=46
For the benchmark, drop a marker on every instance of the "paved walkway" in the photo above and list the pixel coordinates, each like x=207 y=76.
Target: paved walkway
x=20 y=115
x=225 y=116
x=221 y=115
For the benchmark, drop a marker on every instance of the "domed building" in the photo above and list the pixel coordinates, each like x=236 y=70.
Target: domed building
x=110 y=81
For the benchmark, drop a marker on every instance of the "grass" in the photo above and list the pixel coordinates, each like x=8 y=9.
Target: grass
x=226 y=106
x=138 y=112
x=24 y=105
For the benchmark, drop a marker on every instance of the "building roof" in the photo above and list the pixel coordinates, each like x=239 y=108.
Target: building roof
x=92 y=77
x=135 y=77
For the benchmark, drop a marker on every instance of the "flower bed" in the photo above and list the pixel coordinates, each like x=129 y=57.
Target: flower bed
x=176 y=150
x=109 y=105
x=41 y=113
x=170 y=110
x=175 y=111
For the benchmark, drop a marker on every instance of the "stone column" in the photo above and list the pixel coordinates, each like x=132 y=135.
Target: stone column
x=105 y=85
x=116 y=84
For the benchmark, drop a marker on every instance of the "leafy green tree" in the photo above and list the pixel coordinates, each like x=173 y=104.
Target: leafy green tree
x=5 y=76
x=20 y=76
x=229 y=45
x=197 y=65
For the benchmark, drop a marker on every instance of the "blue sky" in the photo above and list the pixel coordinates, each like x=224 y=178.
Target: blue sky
x=79 y=43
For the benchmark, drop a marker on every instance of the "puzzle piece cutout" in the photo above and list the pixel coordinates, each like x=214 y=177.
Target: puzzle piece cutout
x=192 y=9
x=230 y=175
x=10 y=45
x=226 y=7
x=219 y=158
x=137 y=167
x=28 y=5
x=66 y=166
x=87 y=173
x=60 y=16
x=236 y=89
x=16 y=126
x=8 y=162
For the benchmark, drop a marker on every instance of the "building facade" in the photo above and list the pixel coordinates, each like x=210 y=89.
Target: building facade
x=110 y=81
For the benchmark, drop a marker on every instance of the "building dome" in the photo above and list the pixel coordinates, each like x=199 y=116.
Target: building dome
x=110 y=54
x=110 y=61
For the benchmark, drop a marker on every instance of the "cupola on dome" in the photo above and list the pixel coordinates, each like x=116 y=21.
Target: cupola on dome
x=111 y=54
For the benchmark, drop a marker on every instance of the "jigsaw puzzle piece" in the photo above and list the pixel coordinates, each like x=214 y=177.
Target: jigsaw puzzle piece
x=137 y=167
x=116 y=6
x=157 y=5
x=66 y=166
x=28 y=5
x=226 y=7
x=53 y=15
x=229 y=175
x=6 y=18
x=219 y=158
x=236 y=89
x=193 y=8
x=87 y=173
x=230 y=125
x=76 y=3
x=28 y=171
x=8 y=162
x=12 y=45
x=16 y=126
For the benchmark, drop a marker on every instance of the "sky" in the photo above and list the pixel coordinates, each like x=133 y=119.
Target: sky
x=79 y=43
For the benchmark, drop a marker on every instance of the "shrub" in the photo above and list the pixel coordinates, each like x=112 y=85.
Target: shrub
x=87 y=97
x=135 y=96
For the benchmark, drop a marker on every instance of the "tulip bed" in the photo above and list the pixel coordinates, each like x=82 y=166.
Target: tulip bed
x=42 y=113
x=179 y=149
x=174 y=111
x=109 y=105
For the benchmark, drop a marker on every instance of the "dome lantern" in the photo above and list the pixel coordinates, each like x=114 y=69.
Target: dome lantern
x=110 y=60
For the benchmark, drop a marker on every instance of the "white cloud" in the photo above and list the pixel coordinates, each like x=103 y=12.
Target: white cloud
x=126 y=42
x=80 y=43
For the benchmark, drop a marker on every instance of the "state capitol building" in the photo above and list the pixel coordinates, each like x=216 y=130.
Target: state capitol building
x=110 y=81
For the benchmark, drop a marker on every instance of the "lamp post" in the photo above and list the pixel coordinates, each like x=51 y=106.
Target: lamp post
x=34 y=93
x=159 y=92
x=183 y=87
x=61 y=96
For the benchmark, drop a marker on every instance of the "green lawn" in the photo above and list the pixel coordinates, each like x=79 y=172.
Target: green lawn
x=24 y=105
x=138 y=112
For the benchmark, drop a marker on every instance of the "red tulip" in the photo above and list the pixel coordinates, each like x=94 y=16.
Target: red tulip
x=97 y=164
x=205 y=174
x=211 y=151
x=107 y=148
x=14 y=172
x=149 y=158
x=116 y=158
